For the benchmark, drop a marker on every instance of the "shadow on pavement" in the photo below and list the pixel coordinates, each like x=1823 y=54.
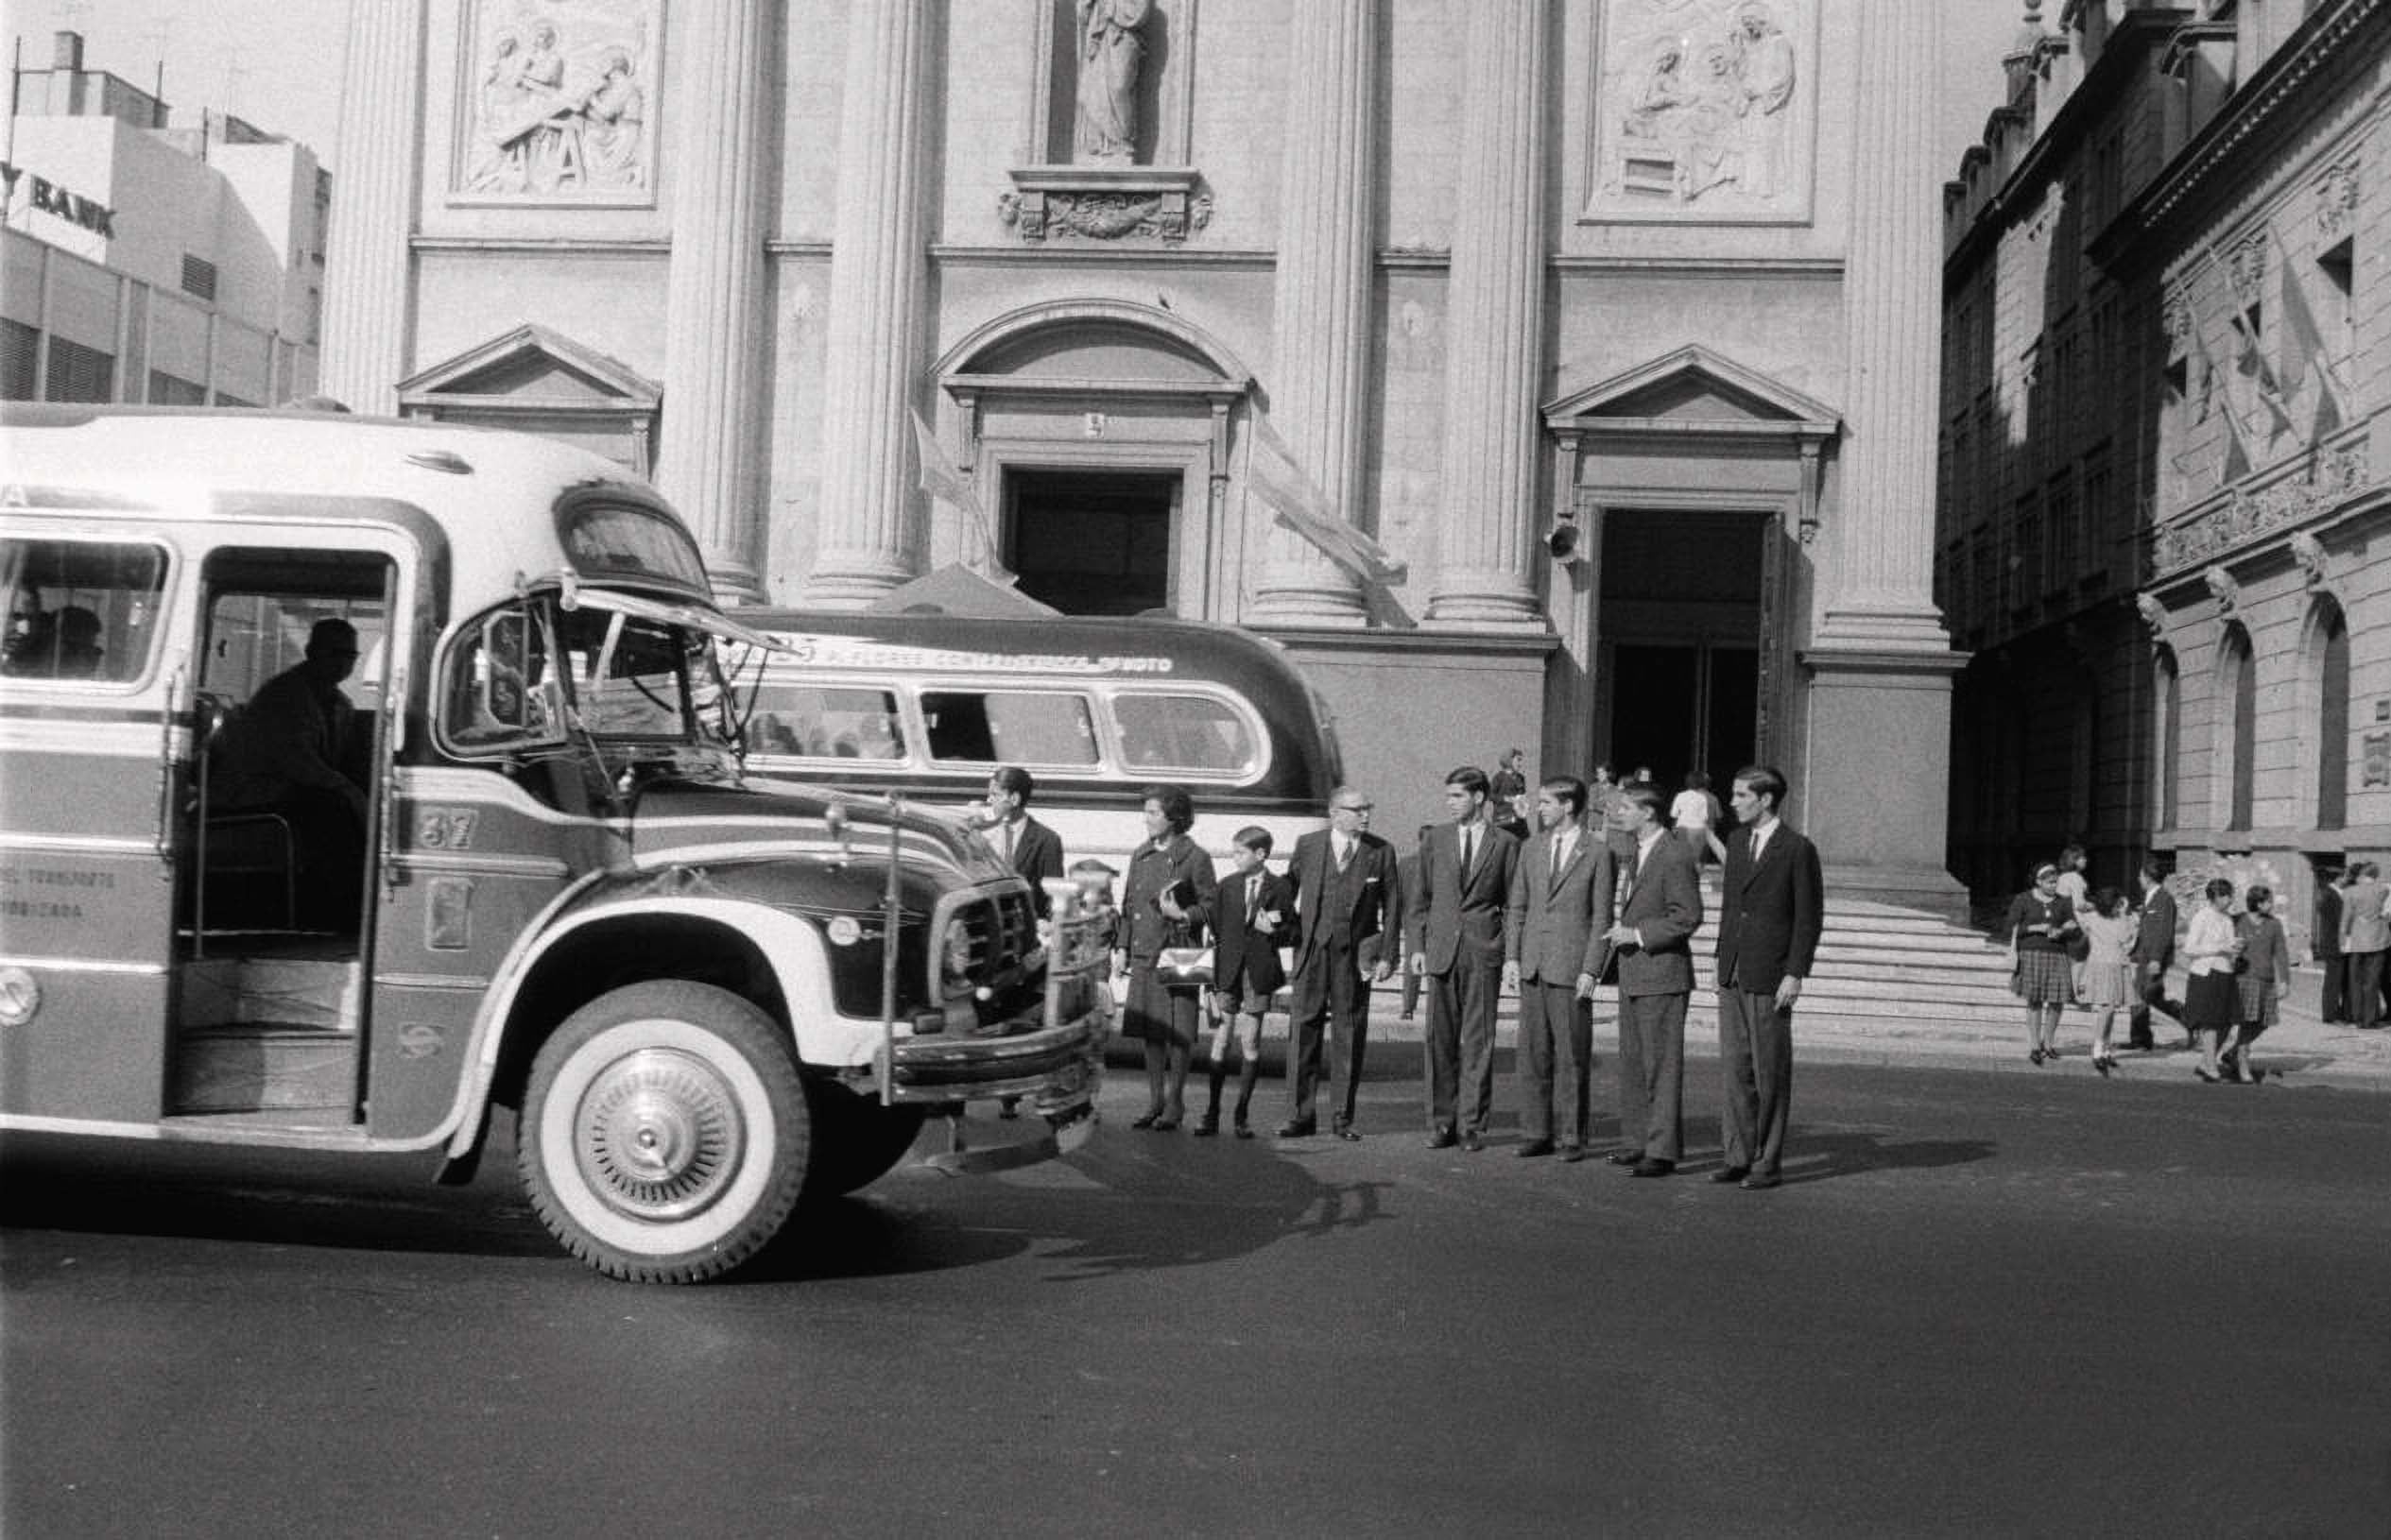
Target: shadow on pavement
x=1821 y=1157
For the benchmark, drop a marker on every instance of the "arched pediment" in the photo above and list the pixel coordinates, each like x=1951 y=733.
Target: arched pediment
x=1692 y=388
x=1093 y=342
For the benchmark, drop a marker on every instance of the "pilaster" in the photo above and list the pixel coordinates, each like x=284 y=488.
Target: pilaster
x=369 y=281
x=1494 y=328
x=869 y=532
x=1319 y=389
x=714 y=291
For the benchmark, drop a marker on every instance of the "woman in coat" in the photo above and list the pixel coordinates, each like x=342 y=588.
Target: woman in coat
x=1168 y=892
x=2040 y=928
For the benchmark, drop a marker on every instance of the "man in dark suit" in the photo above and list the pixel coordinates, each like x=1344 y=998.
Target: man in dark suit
x=1772 y=907
x=1031 y=848
x=2154 y=948
x=1550 y=950
x=2333 y=1001
x=1648 y=918
x=1455 y=932
x=1349 y=907
x=1248 y=922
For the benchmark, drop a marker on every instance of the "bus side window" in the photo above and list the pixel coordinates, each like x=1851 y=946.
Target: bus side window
x=501 y=693
x=1183 y=733
x=827 y=722
x=1010 y=726
x=80 y=610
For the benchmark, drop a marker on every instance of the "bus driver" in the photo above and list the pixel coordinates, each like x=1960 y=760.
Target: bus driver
x=283 y=753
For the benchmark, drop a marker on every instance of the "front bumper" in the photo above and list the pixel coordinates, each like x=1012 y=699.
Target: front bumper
x=1056 y=1069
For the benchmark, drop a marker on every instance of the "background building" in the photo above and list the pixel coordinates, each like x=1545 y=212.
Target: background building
x=177 y=265
x=2163 y=482
x=1652 y=268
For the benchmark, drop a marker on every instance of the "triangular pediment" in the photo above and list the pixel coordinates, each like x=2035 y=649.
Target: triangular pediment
x=531 y=365
x=1692 y=387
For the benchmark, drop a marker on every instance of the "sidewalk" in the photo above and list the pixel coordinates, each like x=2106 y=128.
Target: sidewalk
x=2302 y=1051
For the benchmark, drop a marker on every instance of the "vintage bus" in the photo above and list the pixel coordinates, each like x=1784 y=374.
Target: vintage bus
x=1095 y=709
x=703 y=1002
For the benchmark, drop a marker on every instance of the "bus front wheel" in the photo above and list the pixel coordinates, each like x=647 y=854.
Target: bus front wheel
x=665 y=1135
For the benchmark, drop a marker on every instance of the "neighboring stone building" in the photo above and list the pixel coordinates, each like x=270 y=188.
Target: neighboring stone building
x=1653 y=267
x=2189 y=192
x=173 y=266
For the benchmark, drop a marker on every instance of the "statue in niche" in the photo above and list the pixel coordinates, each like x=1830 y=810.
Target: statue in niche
x=1111 y=58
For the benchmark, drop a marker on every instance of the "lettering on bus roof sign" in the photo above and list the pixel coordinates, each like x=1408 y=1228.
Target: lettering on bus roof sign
x=830 y=651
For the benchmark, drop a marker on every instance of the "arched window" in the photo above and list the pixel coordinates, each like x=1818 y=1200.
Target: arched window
x=2237 y=691
x=2169 y=736
x=2330 y=640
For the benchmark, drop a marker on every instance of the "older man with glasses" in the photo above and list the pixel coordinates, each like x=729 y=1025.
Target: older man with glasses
x=1349 y=907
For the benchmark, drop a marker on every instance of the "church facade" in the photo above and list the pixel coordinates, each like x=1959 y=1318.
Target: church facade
x=1601 y=323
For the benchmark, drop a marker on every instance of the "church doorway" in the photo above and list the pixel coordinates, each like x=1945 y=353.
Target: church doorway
x=1678 y=682
x=1093 y=543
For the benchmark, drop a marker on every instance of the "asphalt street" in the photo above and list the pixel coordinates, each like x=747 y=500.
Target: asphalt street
x=1981 y=1305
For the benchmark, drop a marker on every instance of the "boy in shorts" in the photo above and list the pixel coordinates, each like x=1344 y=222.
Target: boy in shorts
x=1249 y=912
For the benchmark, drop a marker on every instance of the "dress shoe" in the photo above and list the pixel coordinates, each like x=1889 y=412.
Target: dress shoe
x=1624 y=1158
x=1649 y=1167
x=1472 y=1142
x=1757 y=1183
x=1533 y=1148
x=1152 y=1116
x=1572 y=1154
x=1243 y=1130
x=1205 y=1128
x=1730 y=1175
x=1297 y=1128
x=1344 y=1131
x=1443 y=1139
x=1166 y=1126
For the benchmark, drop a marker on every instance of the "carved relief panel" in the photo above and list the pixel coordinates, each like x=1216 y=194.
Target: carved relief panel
x=1705 y=110
x=557 y=102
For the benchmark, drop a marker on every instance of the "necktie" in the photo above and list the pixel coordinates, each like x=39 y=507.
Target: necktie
x=1253 y=898
x=1469 y=850
x=1560 y=850
x=1344 y=854
x=1008 y=842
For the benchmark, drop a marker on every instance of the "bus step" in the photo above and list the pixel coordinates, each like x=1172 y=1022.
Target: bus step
x=288 y=991
x=261 y=1066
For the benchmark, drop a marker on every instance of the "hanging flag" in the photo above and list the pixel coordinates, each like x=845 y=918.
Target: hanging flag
x=2237 y=455
x=1273 y=474
x=2305 y=361
x=2250 y=362
x=941 y=480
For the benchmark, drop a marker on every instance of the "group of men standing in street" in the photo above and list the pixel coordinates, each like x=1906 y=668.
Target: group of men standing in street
x=1572 y=907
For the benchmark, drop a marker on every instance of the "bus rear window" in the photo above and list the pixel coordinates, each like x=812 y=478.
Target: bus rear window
x=80 y=610
x=1183 y=733
x=1009 y=726
x=825 y=723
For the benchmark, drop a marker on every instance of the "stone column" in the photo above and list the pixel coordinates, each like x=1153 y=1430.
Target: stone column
x=1494 y=327
x=868 y=533
x=714 y=315
x=369 y=298
x=1319 y=385
x=1884 y=530
x=1874 y=785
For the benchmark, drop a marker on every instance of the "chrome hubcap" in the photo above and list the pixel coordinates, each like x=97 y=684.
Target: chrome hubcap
x=658 y=1134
